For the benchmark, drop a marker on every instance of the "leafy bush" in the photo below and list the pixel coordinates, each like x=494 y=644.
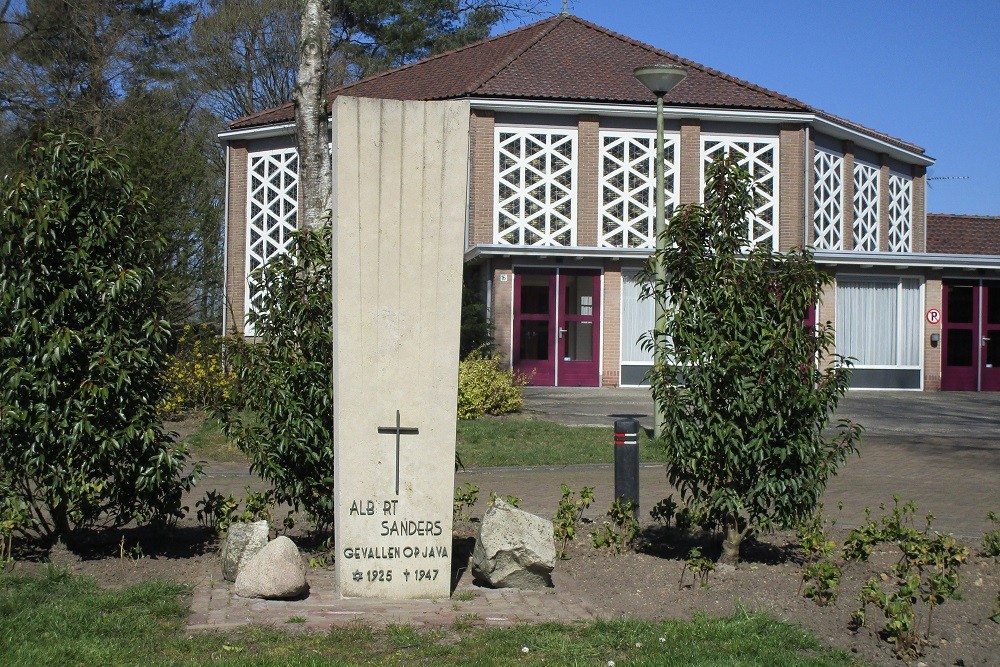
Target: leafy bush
x=486 y=388
x=699 y=566
x=745 y=390
x=991 y=539
x=621 y=531
x=83 y=343
x=279 y=411
x=195 y=377
x=568 y=515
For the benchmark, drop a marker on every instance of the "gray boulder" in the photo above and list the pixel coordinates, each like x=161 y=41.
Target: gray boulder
x=243 y=541
x=514 y=549
x=275 y=573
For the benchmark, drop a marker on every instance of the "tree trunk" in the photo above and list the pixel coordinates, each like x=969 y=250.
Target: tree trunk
x=731 y=540
x=312 y=125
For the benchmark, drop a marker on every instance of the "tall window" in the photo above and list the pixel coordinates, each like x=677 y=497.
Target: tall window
x=828 y=193
x=759 y=156
x=900 y=213
x=272 y=209
x=866 y=198
x=628 y=187
x=879 y=321
x=638 y=317
x=535 y=187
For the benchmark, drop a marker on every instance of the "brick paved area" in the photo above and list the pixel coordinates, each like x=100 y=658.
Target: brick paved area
x=215 y=607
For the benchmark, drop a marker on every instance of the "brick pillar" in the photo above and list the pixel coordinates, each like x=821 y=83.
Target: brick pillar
x=883 y=203
x=919 y=220
x=826 y=310
x=236 y=241
x=848 y=203
x=503 y=301
x=587 y=190
x=810 y=203
x=611 y=307
x=690 y=161
x=792 y=178
x=482 y=174
x=933 y=295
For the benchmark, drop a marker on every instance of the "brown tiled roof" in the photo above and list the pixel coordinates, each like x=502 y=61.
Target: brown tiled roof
x=963 y=234
x=562 y=58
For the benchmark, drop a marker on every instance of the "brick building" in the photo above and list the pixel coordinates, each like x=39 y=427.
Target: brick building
x=560 y=207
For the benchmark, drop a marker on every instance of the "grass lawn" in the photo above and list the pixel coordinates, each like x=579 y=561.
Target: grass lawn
x=62 y=619
x=523 y=441
x=514 y=441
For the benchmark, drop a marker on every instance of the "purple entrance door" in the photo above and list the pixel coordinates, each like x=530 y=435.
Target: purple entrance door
x=970 y=337
x=556 y=329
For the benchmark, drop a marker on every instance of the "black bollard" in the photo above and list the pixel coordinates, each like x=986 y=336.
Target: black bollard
x=627 y=461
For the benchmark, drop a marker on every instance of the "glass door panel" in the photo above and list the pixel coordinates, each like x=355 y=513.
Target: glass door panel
x=578 y=329
x=989 y=338
x=960 y=336
x=534 y=326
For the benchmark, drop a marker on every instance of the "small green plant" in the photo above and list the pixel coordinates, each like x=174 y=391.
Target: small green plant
x=991 y=540
x=296 y=619
x=664 y=511
x=513 y=501
x=465 y=500
x=820 y=575
x=996 y=610
x=465 y=596
x=13 y=518
x=821 y=578
x=485 y=387
x=699 y=566
x=257 y=506
x=216 y=511
x=569 y=514
x=325 y=555
x=926 y=572
x=621 y=531
x=129 y=555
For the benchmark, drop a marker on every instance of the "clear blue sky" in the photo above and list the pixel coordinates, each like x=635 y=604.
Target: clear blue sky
x=924 y=71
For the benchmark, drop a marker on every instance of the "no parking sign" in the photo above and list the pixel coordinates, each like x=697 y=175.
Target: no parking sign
x=934 y=316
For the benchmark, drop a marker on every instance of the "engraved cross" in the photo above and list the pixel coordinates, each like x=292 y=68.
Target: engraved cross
x=398 y=430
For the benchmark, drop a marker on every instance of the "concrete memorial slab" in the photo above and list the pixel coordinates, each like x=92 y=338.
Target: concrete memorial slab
x=400 y=183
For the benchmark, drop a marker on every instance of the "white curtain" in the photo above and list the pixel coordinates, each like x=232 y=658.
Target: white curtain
x=878 y=321
x=637 y=318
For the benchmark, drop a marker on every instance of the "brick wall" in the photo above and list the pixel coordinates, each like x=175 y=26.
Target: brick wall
x=502 y=301
x=791 y=186
x=690 y=161
x=587 y=189
x=236 y=237
x=919 y=174
x=612 y=344
x=826 y=310
x=848 y=195
x=932 y=355
x=481 y=151
x=883 y=203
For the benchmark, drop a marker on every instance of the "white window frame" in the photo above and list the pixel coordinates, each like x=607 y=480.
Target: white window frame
x=900 y=213
x=621 y=337
x=248 y=255
x=769 y=142
x=828 y=202
x=671 y=197
x=898 y=280
x=547 y=209
x=866 y=211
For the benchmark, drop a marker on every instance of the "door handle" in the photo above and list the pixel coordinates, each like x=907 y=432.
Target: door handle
x=562 y=332
x=986 y=339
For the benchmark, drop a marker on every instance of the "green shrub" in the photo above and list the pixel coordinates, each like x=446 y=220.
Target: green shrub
x=83 y=343
x=279 y=411
x=195 y=377
x=486 y=388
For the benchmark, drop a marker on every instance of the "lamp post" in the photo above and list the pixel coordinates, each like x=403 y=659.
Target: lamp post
x=660 y=79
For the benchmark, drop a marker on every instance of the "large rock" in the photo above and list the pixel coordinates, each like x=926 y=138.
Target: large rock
x=514 y=549
x=243 y=541
x=275 y=573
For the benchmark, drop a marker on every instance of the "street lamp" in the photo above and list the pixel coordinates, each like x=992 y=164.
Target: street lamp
x=660 y=79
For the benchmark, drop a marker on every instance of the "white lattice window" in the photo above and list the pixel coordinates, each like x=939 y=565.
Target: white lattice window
x=828 y=204
x=535 y=187
x=272 y=210
x=628 y=187
x=866 y=198
x=900 y=213
x=759 y=156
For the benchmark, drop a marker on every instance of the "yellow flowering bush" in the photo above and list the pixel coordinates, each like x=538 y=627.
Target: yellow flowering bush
x=195 y=377
x=485 y=387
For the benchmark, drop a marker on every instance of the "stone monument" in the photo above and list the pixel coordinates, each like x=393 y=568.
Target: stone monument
x=400 y=187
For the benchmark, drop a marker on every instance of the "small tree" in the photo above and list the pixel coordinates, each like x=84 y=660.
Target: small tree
x=83 y=343
x=280 y=410
x=746 y=388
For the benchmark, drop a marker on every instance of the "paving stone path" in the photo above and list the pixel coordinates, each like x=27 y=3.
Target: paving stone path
x=215 y=607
